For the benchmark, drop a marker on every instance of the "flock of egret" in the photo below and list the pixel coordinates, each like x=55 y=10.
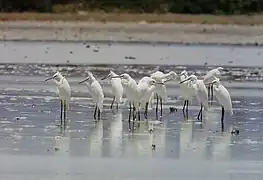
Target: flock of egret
x=140 y=95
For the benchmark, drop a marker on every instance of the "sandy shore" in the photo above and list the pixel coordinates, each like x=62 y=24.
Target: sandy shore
x=131 y=32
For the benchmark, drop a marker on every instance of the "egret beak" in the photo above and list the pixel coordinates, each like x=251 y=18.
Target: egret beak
x=48 y=78
x=105 y=77
x=83 y=81
x=187 y=79
x=116 y=77
x=162 y=83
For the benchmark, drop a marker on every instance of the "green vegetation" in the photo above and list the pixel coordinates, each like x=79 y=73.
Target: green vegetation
x=226 y=7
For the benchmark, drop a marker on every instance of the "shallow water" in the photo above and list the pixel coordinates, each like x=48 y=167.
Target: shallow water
x=34 y=147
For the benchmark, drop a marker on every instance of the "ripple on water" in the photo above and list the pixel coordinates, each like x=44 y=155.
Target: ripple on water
x=254 y=103
x=10 y=109
x=28 y=125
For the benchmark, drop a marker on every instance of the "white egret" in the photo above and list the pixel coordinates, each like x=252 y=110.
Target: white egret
x=131 y=91
x=145 y=88
x=117 y=88
x=209 y=77
x=96 y=93
x=223 y=97
x=201 y=93
x=186 y=91
x=64 y=93
x=160 y=89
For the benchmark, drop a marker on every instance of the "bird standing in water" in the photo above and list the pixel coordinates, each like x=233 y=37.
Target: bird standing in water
x=64 y=93
x=96 y=93
x=209 y=77
x=160 y=88
x=223 y=97
x=201 y=93
x=117 y=89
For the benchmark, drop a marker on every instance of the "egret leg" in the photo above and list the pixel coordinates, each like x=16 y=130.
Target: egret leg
x=200 y=114
x=98 y=113
x=139 y=115
x=61 y=112
x=65 y=112
x=95 y=112
x=146 y=110
x=161 y=104
x=129 y=120
x=133 y=113
x=222 y=118
x=184 y=105
x=212 y=94
x=208 y=89
x=157 y=100
x=117 y=106
x=187 y=104
x=112 y=102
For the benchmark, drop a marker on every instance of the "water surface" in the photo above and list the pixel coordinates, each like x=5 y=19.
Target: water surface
x=34 y=147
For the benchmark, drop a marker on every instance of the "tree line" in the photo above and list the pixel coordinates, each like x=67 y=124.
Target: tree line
x=137 y=6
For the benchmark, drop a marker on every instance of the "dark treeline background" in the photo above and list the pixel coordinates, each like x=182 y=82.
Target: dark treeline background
x=138 y=6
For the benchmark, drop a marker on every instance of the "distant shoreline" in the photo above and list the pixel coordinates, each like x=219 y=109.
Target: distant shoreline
x=143 y=33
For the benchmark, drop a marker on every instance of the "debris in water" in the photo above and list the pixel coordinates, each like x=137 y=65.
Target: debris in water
x=56 y=149
x=173 y=109
x=153 y=146
x=235 y=131
x=87 y=46
x=71 y=52
x=130 y=57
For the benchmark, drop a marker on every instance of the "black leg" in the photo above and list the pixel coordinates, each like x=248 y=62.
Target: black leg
x=208 y=89
x=133 y=113
x=65 y=111
x=146 y=110
x=139 y=115
x=222 y=118
x=184 y=106
x=157 y=100
x=61 y=112
x=161 y=104
x=112 y=102
x=187 y=104
x=129 y=120
x=200 y=114
x=212 y=94
x=117 y=106
x=95 y=112
x=98 y=113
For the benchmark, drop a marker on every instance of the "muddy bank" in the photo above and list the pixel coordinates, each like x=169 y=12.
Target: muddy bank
x=131 y=32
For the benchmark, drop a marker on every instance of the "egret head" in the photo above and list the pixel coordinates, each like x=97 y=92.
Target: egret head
x=216 y=81
x=152 y=82
x=90 y=77
x=110 y=75
x=184 y=72
x=190 y=78
x=57 y=76
x=218 y=71
x=125 y=76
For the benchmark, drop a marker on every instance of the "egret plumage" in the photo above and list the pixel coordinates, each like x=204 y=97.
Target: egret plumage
x=146 y=86
x=64 y=93
x=96 y=93
x=201 y=93
x=160 y=89
x=117 y=89
x=131 y=90
x=224 y=99
x=209 y=77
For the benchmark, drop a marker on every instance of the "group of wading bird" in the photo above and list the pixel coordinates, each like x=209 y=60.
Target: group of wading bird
x=139 y=95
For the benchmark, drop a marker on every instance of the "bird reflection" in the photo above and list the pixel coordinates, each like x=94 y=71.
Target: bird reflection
x=116 y=132
x=96 y=140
